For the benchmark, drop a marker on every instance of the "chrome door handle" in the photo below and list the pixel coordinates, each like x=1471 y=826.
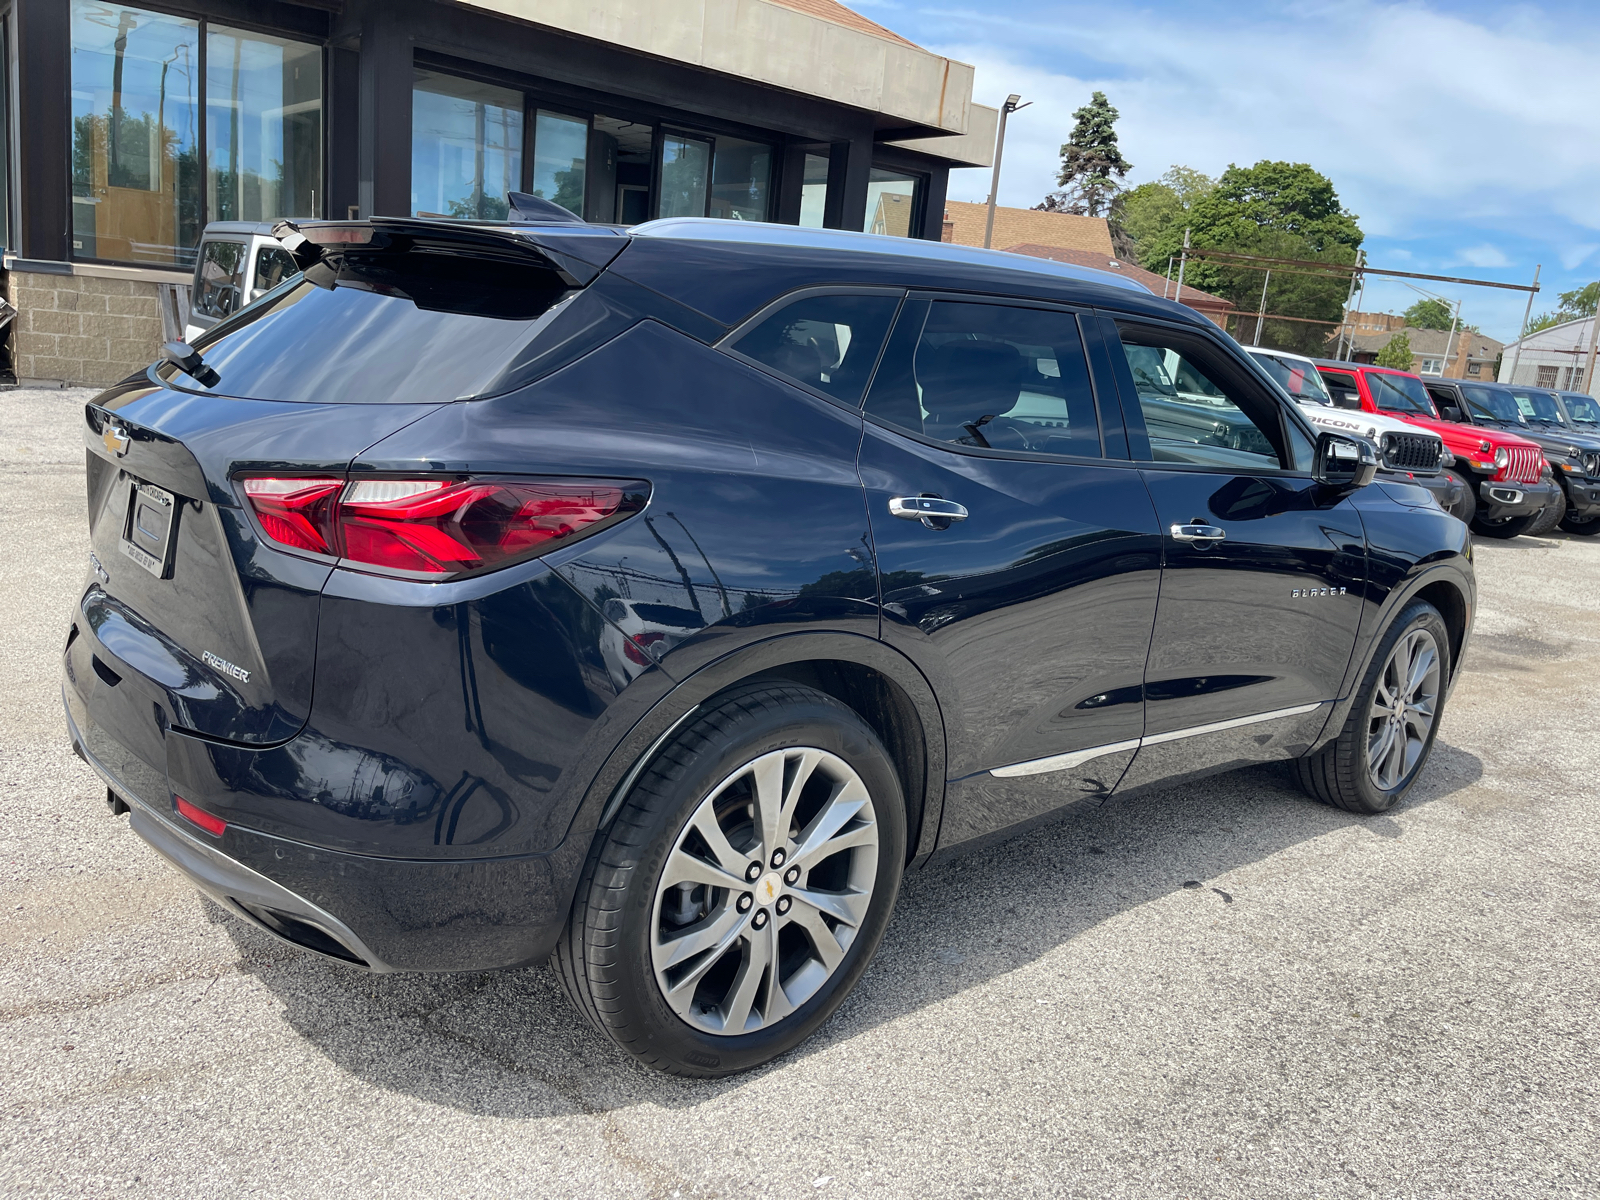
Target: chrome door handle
x=1198 y=532
x=930 y=510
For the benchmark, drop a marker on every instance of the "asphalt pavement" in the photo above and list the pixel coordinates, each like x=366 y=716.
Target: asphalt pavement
x=1225 y=990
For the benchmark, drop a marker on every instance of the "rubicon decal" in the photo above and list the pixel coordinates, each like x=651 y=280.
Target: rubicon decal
x=223 y=665
x=1309 y=593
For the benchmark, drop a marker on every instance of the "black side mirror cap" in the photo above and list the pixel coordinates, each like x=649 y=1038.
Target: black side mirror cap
x=1343 y=463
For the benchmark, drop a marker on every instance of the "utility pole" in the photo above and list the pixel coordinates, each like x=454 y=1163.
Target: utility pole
x=1588 y=366
x=1527 y=315
x=1349 y=324
x=1444 y=363
x=1261 y=313
x=1182 y=262
x=1009 y=107
x=1168 y=286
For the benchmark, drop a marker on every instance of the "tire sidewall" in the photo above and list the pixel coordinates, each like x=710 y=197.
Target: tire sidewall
x=1417 y=614
x=660 y=1032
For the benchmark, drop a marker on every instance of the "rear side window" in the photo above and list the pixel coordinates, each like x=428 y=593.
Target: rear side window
x=989 y=376
x=829 y=343
x=273 y=266
x=219 y=282
x=385 y=327
x=1342 y=389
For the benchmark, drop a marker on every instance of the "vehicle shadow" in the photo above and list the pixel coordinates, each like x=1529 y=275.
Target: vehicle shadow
x=508 y=1044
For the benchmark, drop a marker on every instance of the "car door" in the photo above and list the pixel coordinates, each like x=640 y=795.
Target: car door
x=1017 y=551
x=1262 y=571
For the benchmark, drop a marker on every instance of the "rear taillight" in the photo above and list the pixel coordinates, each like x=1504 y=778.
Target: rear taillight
x=434 y=527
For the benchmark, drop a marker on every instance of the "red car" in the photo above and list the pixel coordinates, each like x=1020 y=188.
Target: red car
x=1506 y=476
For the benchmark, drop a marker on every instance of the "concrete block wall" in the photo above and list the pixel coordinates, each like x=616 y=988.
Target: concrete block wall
x=77 y=329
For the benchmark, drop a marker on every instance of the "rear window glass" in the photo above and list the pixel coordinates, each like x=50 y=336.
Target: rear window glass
x=273 y=266
x=389 y=328
x=830 y=343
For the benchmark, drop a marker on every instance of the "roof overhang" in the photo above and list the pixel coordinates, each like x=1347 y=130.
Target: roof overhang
x=777 y=46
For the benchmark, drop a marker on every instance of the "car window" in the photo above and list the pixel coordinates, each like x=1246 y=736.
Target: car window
x=1582 y=409
x=1538 y=406
x=989 y=376
x=1192 y=412
x=1295 y=376
x=1342 y=389
x=273 y=266
x=1399 y=393
x=830 y=343
x=219 y=286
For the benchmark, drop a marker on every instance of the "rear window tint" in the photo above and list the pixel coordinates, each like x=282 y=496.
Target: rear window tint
x=389 y=329
x=830 y=343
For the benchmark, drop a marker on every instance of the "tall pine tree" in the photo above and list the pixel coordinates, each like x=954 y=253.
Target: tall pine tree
x=1092 y=167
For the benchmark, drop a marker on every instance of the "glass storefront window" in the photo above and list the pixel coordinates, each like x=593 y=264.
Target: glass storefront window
x=814 y=191
x=560 y=158
x=263 y=127
x=891 y=203
x=466 y=147
x=135 y=134
x=685 y=163
x=741 y=177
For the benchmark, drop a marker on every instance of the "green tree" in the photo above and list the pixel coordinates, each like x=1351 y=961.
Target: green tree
x=1092 y=167
x=1275 y=210
x=1396 y=354
x=1574 y=306
x=1429 y=314
x=1141 y=215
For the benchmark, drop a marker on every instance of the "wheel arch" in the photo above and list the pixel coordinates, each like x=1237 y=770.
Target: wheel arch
x=878 y=683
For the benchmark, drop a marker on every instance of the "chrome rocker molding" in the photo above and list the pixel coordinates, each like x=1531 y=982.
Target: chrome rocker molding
x=1065 y=762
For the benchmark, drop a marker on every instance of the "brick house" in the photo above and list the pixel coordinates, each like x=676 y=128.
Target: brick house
x=1472 y=355
x=964 y=224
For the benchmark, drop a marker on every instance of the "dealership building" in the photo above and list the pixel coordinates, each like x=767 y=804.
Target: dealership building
x=131 y=128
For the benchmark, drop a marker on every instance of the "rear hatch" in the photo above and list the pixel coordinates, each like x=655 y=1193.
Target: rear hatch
x=191 y=618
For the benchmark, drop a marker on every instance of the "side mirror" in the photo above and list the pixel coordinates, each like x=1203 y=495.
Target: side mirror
x=1343 y=398
x=1450 y=412
x=1343 y=462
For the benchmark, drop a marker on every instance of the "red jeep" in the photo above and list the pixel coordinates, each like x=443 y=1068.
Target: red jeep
x=1505 y=474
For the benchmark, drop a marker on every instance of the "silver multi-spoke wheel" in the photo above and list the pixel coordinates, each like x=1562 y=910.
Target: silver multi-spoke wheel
x=764 y=891
x=1404 y=705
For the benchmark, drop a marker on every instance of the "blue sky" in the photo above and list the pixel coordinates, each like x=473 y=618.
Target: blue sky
x=1465 y=136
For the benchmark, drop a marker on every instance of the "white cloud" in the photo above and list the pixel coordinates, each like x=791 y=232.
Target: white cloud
x=1483 y=256
x=1416 y=115
x=1573 y=257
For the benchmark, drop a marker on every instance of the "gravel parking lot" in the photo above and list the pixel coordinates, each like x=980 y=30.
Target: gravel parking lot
x=1223 y=990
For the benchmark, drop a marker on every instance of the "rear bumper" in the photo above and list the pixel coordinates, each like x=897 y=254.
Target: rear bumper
x=1498 y=501
x=372 y=913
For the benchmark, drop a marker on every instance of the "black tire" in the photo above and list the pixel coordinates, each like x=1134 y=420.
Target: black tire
x=1549 y=518
x=1467 y=507
x=604 y=955
x=1506 y=528
x=1338 y=774
x=1582 y=528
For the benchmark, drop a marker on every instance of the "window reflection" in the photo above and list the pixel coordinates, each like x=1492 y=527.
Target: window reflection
x=135 y=178
x=740 y=178
x=560 y=155
x=466 y=147
x=891 y=203
x=814 y=191
x=684 y=167
x=263 y=126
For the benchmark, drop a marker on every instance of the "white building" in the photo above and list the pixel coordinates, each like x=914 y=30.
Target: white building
x=1552 y=358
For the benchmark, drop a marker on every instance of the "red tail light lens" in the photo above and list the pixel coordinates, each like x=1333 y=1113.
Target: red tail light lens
x=296 y=512
x=212 y=825
x=437 y=527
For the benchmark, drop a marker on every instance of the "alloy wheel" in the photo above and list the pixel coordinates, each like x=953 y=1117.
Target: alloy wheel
x=764 y=891
x=1403 y=708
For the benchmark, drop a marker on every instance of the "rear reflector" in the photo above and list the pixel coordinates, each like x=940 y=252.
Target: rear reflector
x=212 y=825
x=437 y=527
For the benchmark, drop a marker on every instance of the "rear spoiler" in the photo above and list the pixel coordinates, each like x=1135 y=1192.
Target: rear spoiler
x=576 y=252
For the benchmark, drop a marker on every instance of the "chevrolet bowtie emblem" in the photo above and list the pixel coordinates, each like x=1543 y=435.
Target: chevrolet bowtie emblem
x=115 y=438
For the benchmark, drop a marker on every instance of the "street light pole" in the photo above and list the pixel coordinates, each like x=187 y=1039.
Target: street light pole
x=1010 y=106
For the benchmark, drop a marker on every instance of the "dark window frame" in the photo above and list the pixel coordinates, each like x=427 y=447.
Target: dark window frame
x=202 y=146
x=1103 y=390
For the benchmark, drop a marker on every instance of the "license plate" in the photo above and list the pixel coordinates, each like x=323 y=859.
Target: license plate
x=152 y=518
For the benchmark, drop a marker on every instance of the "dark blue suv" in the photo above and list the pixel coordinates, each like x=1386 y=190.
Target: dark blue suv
x=654 y=598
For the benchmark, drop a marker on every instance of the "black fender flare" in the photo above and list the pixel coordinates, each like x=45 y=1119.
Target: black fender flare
x=633 y=750
x=1424 y=576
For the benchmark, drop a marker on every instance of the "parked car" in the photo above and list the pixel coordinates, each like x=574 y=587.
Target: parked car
x=1536 y=414
x=342 y=646
x=1582 y=413
x=237 y=262
x=1406 y=454
x=1505 y=475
